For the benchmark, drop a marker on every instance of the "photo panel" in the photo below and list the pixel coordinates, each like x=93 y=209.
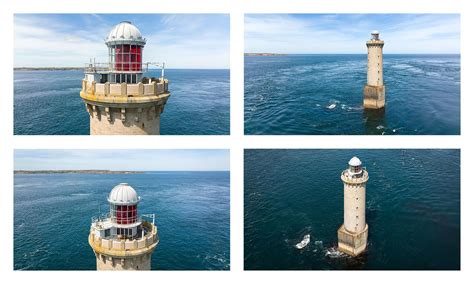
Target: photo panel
x=130 y=209
x=362 y=74
x=121 y=74
x=352 y=209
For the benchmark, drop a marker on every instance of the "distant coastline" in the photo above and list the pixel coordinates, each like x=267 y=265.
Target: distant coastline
x=150 y=69
x=47 y=68
x=102 y=172
x=264 y=54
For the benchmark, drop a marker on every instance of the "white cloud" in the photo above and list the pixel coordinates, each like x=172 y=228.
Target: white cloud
x=189 y=42
x=43 y=43
x=346 y=33
x=182 y=41
x=138 y=159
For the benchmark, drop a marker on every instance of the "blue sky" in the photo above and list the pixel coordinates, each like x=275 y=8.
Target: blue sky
x=347 y=33
x=143 y=159
x=179 y=40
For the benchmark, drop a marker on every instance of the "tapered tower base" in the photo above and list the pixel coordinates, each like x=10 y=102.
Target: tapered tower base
x=374 y=97
x=125 y=119
x=352 y=244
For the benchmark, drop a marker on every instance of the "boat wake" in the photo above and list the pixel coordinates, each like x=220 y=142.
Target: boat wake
x=331 y=106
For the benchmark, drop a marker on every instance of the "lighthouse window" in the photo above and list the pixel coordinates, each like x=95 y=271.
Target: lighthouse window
x=103 y=78
x=124 y=231
x=127 y=57
x=123 y=214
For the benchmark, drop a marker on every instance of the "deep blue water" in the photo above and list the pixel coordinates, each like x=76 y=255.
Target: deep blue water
x=290 y=95
x=52 y=216
x=48 y=103
x=413 y=209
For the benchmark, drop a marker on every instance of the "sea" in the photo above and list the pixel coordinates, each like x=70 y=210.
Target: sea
x=412 y=209
x=52 y=217
x=323 y=95
x=48 y=103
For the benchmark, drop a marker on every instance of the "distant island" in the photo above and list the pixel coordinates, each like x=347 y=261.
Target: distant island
x=264 y=54
x=47 y=68
x=102 y=172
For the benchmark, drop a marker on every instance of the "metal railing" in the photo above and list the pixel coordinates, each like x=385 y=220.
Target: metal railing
x=101 y=67
x=106 y=217
x=347 y=177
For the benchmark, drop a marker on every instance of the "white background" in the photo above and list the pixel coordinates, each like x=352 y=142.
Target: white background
x=236 y=141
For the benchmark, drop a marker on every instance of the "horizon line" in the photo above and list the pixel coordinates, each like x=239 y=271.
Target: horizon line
x=77 y=67
x=282 y=53
x=137 y=170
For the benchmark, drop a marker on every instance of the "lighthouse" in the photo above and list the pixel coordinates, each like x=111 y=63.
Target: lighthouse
x=117 y=96
x=352 y=235
x=121 y=239
x=374 y=90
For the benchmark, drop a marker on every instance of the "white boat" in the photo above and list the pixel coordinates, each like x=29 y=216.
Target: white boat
x=304 y=242
x=331 y=106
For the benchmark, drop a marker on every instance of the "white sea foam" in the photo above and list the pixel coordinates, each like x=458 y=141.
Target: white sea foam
x=334 y=253
x=80 y=194
x=318 y=243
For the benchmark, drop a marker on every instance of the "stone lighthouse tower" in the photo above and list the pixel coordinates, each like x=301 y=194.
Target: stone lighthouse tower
x=374 y=91
x=119 y=99
x=122 y=240
x=352 y=235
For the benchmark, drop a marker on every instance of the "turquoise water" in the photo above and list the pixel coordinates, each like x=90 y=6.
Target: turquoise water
x=52 y=216
x=48 y=103
x=323 y=94
x=413 y=209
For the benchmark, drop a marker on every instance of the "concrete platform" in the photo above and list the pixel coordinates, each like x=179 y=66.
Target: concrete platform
x=352 y=243
x=374 y=97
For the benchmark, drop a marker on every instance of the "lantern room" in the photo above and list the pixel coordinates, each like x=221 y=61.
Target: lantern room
x=375 y=35
x=125 y=44
x=123 y=200
x=355 y=168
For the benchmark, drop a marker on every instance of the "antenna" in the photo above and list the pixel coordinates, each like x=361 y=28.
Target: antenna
x=162 y=73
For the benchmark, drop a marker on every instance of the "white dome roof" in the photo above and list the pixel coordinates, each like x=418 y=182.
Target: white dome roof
x=354 y=162
x=125 y=33
x=123 y=194
x=375 y=32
